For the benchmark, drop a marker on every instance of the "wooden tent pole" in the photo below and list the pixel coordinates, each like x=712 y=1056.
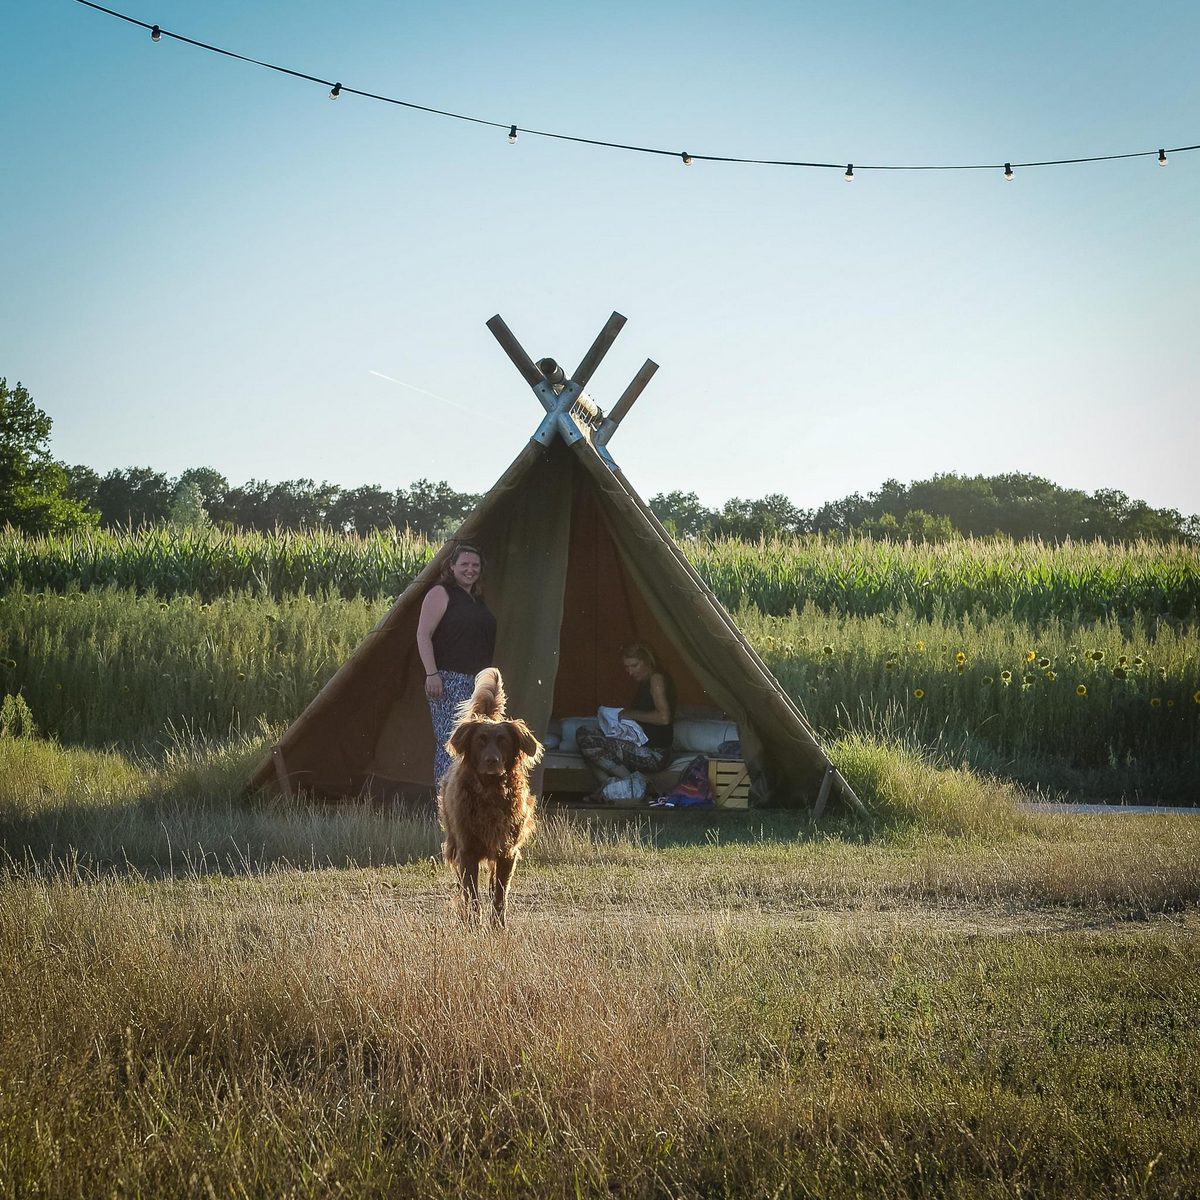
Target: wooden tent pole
x=515 y=351
x=599 y=348
x=281 y=773
x=848 y=794
x=636 y=387
x=823 y=794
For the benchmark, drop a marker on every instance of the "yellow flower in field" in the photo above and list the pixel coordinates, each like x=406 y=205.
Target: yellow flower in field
x=1162 y=672
x=988 y=680
x=890 y=665
x=1170 y=703
x=1030 y=655
x=1155 y=702
x=960 y=658
x=1097 y=656
x=1051 y=675
x=1123 y=661
x=1139 y=661
x=826 y=649
x=1120 y=673
x=1044 y=663
x=1006 y=677
x=1196 y=697
x=919 y=693
x=1081 y=690
x=920 y=645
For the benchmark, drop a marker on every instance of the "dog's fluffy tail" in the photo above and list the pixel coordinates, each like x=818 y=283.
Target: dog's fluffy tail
x=488 y=700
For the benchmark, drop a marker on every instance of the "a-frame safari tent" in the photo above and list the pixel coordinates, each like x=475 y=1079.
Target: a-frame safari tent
x=577 y=567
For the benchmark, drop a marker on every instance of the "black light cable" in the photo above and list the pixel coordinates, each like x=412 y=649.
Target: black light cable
x=336 y=89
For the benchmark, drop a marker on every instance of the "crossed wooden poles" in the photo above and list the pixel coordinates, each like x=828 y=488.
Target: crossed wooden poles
x=570 y=412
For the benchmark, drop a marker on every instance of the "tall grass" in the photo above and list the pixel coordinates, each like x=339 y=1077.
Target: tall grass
x=1118 y=700
x=1030 y=581
x=118 y=666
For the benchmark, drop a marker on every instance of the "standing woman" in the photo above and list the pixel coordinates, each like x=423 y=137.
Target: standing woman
x=456 y=639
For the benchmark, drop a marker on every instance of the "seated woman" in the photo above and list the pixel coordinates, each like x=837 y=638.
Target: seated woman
x=620 y=766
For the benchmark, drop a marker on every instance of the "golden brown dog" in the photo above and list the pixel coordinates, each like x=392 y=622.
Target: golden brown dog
x=484 y=803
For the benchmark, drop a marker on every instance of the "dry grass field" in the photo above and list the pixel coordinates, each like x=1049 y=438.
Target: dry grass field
x=207 y=995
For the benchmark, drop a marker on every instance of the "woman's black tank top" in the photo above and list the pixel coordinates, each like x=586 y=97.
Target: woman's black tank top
x=465 y=637
x=658 y=737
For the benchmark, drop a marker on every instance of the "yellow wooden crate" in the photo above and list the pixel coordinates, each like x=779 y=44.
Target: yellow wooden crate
x=730 y=782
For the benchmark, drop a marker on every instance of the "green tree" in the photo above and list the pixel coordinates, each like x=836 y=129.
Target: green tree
x=683 y=514
x=34 y=495
x=187 y=506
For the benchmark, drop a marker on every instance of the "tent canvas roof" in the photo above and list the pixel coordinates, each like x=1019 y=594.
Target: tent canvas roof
x=577 y=566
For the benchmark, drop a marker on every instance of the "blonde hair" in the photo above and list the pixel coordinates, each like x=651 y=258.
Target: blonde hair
x=642 y=653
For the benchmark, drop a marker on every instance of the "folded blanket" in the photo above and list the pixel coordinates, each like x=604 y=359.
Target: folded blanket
x=611 y=725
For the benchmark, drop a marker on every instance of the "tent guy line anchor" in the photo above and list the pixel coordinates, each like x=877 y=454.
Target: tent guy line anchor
x=570 y=412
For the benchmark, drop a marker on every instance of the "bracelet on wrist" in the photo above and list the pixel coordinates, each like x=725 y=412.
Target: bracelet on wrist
x=431 y=674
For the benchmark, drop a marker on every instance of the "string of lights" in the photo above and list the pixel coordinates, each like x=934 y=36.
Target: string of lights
x=337 y=89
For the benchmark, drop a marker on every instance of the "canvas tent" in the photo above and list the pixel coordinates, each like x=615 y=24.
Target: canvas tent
x=577 y=567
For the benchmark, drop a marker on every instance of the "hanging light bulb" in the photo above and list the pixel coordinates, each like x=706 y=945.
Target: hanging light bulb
x=1008 y=172
x=849 y=175
x=687 y=159
x=156 y=34
x=512 y=135
x=1162 y=158
x=335 y=91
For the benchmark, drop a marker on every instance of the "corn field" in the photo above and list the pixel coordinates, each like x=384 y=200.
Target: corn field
x=1030 y=581
x=1107 y=706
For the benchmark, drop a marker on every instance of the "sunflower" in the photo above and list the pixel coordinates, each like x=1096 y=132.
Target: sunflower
x=1030 y=655
x=1196 y=697
x=1123 y=661
x=1044 y=663
x=1051 y=675
x=1170 y=703
x=988 y=680
x=920 y=645
x=1139 y=661
x=1006 y=677
x=1155 y=702
x=1097 y=656
x=1162 y=672
x=826 y=649
x=1081 y=690
x=960 y=658
x=890 y=665
x=919 y=693
x=1028 y=679
x=1120 y=673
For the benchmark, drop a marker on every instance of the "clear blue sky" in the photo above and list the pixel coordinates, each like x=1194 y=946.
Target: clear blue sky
x=206 y=263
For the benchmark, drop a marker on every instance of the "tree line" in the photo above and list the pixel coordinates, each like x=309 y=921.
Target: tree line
x=40 y=495
x=945 y=506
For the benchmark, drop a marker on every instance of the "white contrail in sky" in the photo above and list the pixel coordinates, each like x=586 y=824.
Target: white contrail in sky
x=432 y=395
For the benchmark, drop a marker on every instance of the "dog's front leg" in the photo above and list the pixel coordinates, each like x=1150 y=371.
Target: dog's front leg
x=505 y=865
x=470 y=891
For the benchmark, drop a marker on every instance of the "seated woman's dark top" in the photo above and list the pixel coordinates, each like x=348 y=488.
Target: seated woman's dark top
x=658 y=737
x=465 y=637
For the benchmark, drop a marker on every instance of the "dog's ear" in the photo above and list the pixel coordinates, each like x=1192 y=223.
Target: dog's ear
x=460 y=739
x=527 y=744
